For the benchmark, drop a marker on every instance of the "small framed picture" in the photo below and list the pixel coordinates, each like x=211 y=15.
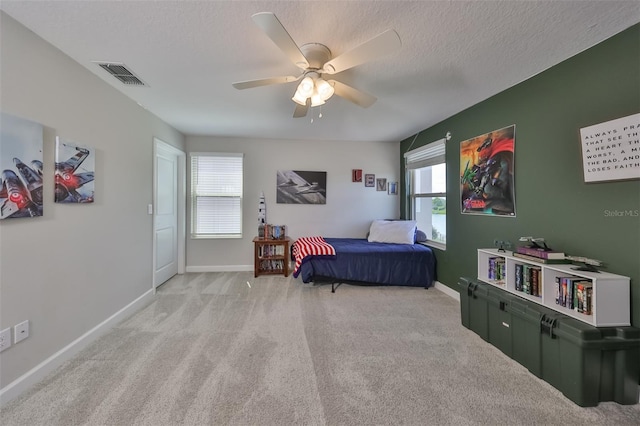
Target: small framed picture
x=356 y=175
x=370 y=180
x=381 y=184
x=392 y=188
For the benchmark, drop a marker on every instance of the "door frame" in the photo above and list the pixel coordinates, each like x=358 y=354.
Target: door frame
x=181 y=204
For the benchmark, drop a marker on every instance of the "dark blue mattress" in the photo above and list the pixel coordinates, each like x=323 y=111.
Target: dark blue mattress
x=358 y=260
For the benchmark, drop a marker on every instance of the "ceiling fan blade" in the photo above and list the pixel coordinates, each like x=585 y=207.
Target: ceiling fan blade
x=301 y=110
x=354 y=95
x=240 y=85
x=380 y=45
x=274 y=29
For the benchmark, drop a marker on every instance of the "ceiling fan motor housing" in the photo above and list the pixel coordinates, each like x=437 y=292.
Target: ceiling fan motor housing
x=317 y=55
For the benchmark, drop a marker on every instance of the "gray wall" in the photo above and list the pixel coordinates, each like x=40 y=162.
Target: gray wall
x=77 y=265
x=350 y=206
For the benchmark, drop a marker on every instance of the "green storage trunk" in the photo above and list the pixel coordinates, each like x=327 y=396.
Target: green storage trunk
x=484 y=310
x=473 y=306
x=586 y=363
x=499 y=311
x=527 y=321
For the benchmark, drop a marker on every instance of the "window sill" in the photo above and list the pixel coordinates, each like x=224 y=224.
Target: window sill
x=434 y=244
x=213 y=237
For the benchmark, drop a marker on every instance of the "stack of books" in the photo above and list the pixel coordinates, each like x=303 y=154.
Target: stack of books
x=271 y=232
x=540 y=255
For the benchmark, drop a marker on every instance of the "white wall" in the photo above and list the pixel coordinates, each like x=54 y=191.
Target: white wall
x=350 y=206
x=78 y=265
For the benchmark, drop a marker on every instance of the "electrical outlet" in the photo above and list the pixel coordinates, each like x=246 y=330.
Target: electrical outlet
x=21 y=331
x=5 y=339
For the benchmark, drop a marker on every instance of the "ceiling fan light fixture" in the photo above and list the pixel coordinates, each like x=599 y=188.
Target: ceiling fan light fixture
x=316 y=99
x=299 y=98
x=325 y=90
x=306 y=86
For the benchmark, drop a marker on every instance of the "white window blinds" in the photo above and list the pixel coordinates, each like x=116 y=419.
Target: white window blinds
x=216 y=195
x=427 y=155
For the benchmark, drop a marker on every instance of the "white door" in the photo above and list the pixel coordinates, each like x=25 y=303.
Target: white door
x=169 y=206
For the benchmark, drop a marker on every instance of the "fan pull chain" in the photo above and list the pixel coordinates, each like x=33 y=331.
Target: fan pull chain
x=319 y=113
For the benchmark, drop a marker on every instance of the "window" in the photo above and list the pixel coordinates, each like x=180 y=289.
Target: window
x=427 y=177
x=216 y=195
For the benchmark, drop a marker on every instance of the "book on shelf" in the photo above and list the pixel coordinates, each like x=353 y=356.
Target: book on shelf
x=584 y=293
x=497 y=269
x=567 y=291
x=532 y=277
x=268 y=231
x=570 y=291
x=272 y=265
x=574 y=293
x=588 y=296
x=539 y=259
x=270 y=250
x=536 y=272
x=540 y=253
x=528 y=279
x=519 y=276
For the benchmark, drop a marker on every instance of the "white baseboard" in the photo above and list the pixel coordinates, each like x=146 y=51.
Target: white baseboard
x=447 y=290
x=39 y=372
x=220 y=268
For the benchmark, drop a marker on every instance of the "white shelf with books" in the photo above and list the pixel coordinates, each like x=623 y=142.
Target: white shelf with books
x=525 y=280
x=597 y=298
x=489 y=267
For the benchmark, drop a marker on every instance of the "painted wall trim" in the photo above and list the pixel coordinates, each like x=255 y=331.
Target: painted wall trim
x=220 y=268
x=40 y=371
x=447 y=290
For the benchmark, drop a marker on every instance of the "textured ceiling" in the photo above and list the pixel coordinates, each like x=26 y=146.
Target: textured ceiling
x=454 y=54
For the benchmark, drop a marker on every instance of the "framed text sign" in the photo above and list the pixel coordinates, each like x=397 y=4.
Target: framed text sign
x=611 y=150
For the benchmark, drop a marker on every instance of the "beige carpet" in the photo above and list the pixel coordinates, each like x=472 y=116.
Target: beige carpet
x=228 y=348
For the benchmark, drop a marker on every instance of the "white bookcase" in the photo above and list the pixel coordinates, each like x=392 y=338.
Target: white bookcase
x=610 y=300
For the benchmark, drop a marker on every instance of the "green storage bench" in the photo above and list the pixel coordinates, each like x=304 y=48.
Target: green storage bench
x=587 y=364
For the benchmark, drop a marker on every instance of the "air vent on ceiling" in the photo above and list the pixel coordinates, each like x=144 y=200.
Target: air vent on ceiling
x=120 y=71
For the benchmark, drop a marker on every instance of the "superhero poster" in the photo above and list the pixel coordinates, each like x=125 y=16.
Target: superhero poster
x=487 y=173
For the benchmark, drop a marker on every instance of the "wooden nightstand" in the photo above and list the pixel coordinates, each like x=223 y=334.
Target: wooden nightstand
x=271 y=257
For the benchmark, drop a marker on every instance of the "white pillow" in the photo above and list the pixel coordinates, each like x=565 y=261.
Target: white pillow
x=393 y=231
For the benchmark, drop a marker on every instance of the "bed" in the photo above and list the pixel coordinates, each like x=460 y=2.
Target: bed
x=390 y=255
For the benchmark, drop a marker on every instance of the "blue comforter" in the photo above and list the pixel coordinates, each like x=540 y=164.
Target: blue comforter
x=358 y=260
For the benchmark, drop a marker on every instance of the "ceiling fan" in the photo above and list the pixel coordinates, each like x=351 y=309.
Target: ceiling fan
x=315 y=61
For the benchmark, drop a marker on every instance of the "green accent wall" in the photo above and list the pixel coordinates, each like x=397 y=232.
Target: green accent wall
x=552 y=200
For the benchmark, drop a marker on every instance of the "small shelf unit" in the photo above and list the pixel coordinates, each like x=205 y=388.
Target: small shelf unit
x=271 y=257
x=610 y=300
